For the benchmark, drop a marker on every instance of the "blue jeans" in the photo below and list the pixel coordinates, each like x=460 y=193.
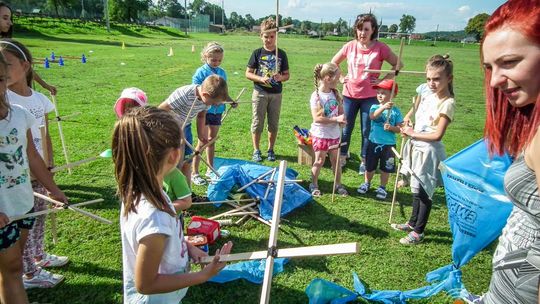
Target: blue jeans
x=351 y=107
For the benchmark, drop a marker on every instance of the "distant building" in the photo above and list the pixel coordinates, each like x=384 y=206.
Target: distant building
x=470 y=39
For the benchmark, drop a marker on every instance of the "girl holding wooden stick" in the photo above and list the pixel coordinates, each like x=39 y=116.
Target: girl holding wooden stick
x=327 y=110
x=21 y=93
x=146 y=147
x=18 y=156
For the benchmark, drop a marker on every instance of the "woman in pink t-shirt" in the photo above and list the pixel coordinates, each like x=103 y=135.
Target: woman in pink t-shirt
x=358 y=92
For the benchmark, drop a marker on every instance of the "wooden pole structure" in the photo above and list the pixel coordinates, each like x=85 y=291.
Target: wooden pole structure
x=47 y=159
x=73 y=208
x=62 y=139
x=277 y=33
x=236 y=101
x=274 y=230
x=52 y=211
x=395 y=75
x=273 y=252
x=337 y=165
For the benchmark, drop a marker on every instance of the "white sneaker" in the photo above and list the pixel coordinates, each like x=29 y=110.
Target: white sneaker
x=51 y=260
x=362 y=168
x=42 y=279
x=198 y=180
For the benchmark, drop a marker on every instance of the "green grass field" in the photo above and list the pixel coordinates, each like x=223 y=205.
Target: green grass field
x=94 y=274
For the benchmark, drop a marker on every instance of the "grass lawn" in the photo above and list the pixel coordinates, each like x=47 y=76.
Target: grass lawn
x=95 y=272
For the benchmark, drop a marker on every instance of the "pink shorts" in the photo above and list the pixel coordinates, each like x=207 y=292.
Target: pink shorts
x=322 y=144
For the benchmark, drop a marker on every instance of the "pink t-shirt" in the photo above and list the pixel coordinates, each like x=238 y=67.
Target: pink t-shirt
x=357 y=84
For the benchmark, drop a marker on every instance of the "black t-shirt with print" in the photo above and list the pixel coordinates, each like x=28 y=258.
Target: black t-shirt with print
x=263 y=62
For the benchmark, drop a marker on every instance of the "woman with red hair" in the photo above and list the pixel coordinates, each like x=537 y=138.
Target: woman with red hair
x=510 y=53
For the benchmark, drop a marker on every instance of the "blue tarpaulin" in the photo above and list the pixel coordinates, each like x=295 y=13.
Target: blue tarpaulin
x=252 y=271
x=477 y=211
x=236 y=173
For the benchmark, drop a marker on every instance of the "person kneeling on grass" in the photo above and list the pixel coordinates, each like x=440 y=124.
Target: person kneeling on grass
x=386 y=121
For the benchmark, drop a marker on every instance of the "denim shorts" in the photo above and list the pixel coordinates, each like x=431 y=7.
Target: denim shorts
x=188 y=136
x=11 y=233
x=213 y=119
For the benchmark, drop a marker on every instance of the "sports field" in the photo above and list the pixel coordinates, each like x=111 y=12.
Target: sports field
x=94 y=274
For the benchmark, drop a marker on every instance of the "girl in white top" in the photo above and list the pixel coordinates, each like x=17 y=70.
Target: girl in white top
x=18 y=157
x=20 y=93
x=327 y=110
x=434 y=112
x=155 y=257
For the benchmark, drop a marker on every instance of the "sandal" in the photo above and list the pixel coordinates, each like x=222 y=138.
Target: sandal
x=315 y=192
x=341 y=190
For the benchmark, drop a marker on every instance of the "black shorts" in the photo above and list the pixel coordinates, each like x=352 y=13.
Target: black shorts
x=213 y=119
x=11 y=233
x=381 y=155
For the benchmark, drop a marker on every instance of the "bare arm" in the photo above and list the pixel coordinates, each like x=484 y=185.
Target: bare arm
x=43 y=84
x=182 y=203
x=39 y=170
x=50 y=161
x=149 y=281
x=318 y=117
x=202 y=132
x=165 y=106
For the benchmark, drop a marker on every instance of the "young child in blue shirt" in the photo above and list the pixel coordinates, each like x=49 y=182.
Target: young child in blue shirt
x=382 y=137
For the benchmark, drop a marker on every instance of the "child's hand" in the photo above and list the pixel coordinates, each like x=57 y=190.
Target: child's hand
x=407 y=131
x=387 y=127
x=51 y=89
x=58 y=195
x=4 y=220
x=342 y=79
x=265 y=79
x=196 y=254
x=387 y=105
x=341 y=119
x=278 y=77
x=215 y=266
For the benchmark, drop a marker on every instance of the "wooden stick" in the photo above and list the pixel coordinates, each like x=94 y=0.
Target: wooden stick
x=394 y=195
x=199 y=152
x=59 y=118
x=289 y=181
x=394 y=82
x=337 y=165
x=229 y=109
x=225 y=201
x=257 y=217
x=269 y=186
x=47 y=159
x=274 y=230
x=232 y=211
x=419 y=73
x=255 y=180
x=103 y=220
x=204 y=160
x=52 y=211
x=241 y=213
x=231 y=102
x=411 y=172
x=277 y=32
x=74 y=164
x=321 y=250
x=187 y=117
x=62 y=139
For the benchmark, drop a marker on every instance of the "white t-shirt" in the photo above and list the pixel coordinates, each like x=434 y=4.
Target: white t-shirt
x=328 y=104
x=430 y=110
x=181 y=101
x=38 y=105
x=16 y=195
x=147 y=221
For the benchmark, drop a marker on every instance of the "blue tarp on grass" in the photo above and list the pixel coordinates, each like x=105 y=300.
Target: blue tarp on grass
x=236 y=173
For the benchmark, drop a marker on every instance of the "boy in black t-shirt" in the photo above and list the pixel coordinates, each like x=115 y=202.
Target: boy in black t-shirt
x=267 y=75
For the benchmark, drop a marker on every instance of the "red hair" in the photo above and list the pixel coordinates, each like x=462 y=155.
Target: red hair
x=510 y=128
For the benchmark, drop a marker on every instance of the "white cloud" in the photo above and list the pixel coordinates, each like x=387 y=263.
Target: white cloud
x=295 y=4
x=464 y=9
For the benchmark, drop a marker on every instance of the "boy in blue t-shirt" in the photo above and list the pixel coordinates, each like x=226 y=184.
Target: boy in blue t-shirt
x=382 y=138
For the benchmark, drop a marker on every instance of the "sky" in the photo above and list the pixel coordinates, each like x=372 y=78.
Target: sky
x=449 y=15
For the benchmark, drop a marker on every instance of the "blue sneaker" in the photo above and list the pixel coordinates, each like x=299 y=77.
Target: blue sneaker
x=271 y=155
x=257 y=157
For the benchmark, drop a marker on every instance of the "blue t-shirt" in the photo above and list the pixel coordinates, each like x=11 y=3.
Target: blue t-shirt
x=201 y=74
x=377 y=134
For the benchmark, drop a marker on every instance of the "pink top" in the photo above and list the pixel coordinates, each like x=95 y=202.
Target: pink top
x=357 y=84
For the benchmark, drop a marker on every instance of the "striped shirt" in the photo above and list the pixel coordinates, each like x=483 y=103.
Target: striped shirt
x=185 y=104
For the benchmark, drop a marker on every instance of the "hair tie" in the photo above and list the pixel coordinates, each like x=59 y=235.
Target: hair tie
x=15 y=46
